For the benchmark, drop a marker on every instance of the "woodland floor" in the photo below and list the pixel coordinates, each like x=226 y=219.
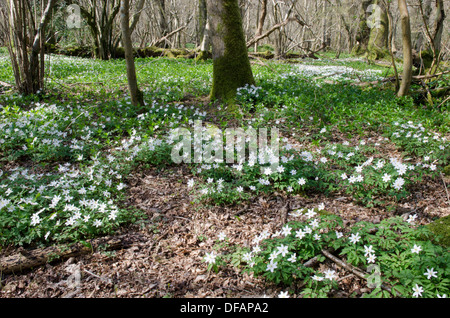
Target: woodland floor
x=163 y=254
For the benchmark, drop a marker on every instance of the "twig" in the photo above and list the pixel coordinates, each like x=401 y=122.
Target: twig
x=264 y=64
x=445 y=186
x=145 y=291
x=343 y=264
x=158 y=239
x=74 y=120
x=350 y=268
x=311 y=262
x=182 y=218
x=430 y=98
x=5 y=84
x=271 y=30
x=391 y=79
x=108 y=280
x=445 y=100
x=418 y=77
x=342 y=278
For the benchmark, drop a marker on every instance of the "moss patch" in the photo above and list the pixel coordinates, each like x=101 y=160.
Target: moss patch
x=441 y=228
x=325 y=213
x=78 y=51
x=265 y=55
x=204 y=55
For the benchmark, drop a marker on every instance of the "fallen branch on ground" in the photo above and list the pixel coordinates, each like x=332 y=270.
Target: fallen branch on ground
x=417 y=78
x=356 y=271
x=445 y=186
x=445 y=100
x=25 y=260
x=5 y=84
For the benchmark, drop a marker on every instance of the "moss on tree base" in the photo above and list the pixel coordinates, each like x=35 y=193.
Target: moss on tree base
x=264 y=55
x=447 y=170
x=375 y=53
x=231 y=65
x=203 y=56
x=441 y=228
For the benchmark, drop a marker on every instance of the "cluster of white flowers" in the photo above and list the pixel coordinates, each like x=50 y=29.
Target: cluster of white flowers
x=69 y=198
x=177 y=113
x=282 y=251
x=249 y=91
x=369 y=253
x=418 y=132
x=336 y=73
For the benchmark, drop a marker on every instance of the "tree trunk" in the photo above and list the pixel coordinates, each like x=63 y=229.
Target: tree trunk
x=204 y=26
x=379 y=32
x=339 y=41
x=26 y=43
x=363 y=32
x=261 y=20
x=277 y=33
x=437 y=36
x=439 y=25
x=421 y=42
x=137 y=15
x=430 y=56
x=407 y=48
x=202 y=20
x=390 y=42
x=326 y=39
x=100 y=20
x=136 y=95
x=163 y=25
x=231 y=66
x=206 y=43
x=347 y=26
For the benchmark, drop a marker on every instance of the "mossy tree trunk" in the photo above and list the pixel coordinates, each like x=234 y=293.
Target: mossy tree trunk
x=407 y=48
x=372 y=36
x=363 y=32
x=231 y=65
x=379 y=32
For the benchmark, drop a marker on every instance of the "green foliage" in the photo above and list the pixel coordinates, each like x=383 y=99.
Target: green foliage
x=394 y=253
x=66 y=154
